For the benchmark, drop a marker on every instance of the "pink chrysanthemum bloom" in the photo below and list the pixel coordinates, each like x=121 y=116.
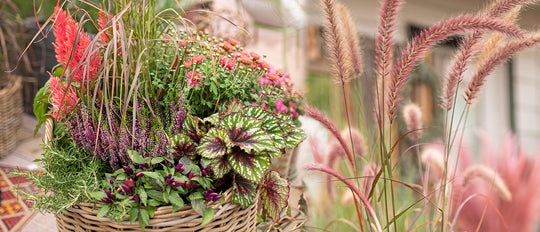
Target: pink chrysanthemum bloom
x=70 y=56
x=62 y=99
x=194 y=78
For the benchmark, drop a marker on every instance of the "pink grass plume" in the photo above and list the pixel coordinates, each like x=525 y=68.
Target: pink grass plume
x=412 y=116
x=326 y=122
x=416 y=49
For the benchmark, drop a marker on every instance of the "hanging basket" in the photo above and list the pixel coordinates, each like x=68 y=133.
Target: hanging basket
x=228 y=216
x=10 y=113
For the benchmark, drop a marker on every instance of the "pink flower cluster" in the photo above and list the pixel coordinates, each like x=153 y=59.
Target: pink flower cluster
x=194 y=78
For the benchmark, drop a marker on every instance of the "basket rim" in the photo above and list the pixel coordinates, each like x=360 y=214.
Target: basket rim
x=9 y=90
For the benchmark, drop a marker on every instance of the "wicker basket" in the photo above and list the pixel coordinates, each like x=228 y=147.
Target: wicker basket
x=10 y=114
x=228 y=216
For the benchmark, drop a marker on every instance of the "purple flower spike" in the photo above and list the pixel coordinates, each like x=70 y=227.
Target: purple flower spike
x=216 y=198
x=126 y=188
x=111 y=181
x=169 y=180
x=139 y=174
x=106 y=200
x=128 y=169
x=208 y=198
x=190 y=175
x=196 y=185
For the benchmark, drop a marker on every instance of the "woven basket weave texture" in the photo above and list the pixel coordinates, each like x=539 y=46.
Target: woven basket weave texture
x=10 y=114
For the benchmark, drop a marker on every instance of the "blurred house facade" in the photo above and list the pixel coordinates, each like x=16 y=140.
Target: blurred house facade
x=290 y=33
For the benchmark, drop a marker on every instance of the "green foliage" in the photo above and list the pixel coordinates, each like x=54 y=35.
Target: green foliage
x=69 y=174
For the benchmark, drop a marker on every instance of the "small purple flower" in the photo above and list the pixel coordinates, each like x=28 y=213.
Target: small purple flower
x=127 y=169
x=136 y=198
x=169 y=180
x=196 y=185
x=139 y=174
x=179 y=167
x=106 y=200
x=190 y=175
x=110 y=195
x=178 y=183
x=126 y=188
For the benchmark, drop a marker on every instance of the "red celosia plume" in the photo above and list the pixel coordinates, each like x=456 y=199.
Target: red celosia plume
x=73 y=48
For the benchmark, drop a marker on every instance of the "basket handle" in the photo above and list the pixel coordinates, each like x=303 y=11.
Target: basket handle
x=49 y=128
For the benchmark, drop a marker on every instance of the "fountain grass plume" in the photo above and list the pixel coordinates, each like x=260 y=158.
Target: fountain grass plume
x=326 y=122
x=469 y=48
x=416 y=49
x=334 y=36
x=502 y=54
x=353 y=42
x=412 y=116
x=489 y=176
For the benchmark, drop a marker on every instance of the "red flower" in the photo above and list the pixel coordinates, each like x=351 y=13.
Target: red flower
x=62 y=99
x=199 y=58
x=75 y=59
x=194 y=78
x=234 y=42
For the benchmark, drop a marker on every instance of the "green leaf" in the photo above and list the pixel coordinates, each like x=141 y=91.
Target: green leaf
x=157 y=160
x=41 y=102
x=97 y=195
x=156 y=195
x=153 y=175
x=274 y=194
x=142 y=195
x=214 y=144
x=133 y=214
x=176 y=200
x=166 y=197
x=199 y=206
x=208 y=216
x=136 y=157
x=144 y=218
x=58 y=72
x=104 y=210
x=249 y=166
x=150 y=211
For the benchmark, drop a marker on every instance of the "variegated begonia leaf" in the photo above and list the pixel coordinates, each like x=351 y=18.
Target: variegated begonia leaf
x=212 y=119
x=294 y=137
x=220 y=166
x=182 y=145
x=191 y=128
x=214 y=144
x=274 y=194
x=250 y=166
x=246 y=133
x=243 y=191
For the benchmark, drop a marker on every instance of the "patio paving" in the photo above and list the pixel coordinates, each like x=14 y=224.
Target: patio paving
x=28 y=149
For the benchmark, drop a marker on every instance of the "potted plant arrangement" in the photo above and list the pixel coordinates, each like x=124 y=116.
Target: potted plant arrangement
x=156 y=127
